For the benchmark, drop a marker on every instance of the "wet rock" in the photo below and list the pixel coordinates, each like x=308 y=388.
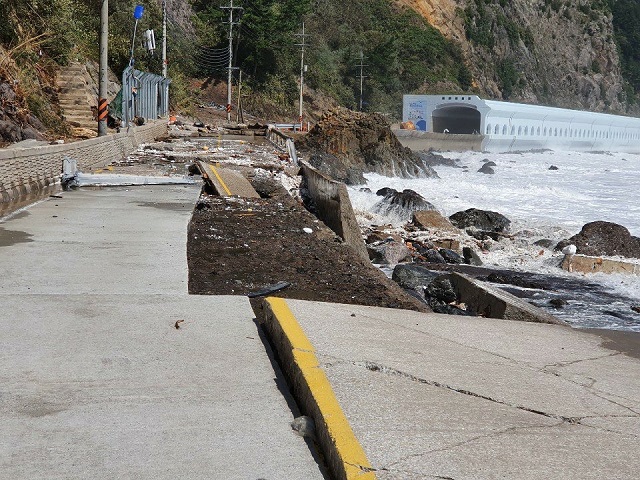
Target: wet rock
x=411 y=276
x=450 y=256
x=489 y=163
x=481 y=220
x=433 y=256
x=557 y=302
x=389 y=253
x=512 y=278
x=471 y=257
x=604 y=238
x=431 y=219
x=544 y=243
x=635 y=308
x=486 y=169
x=401 y=205
x=441 y=289
x=440 y=307
x=365 y=189
x=553 y=167
x=377 y=237
x=384 y=191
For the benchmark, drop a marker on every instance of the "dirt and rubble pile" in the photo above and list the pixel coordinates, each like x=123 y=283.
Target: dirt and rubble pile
x=16 y=122
x=346 y=145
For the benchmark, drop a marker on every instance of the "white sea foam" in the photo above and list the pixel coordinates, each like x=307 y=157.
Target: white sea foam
x=551 y=204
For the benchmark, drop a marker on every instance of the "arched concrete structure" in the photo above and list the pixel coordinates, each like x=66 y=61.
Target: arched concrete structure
x=513 y=126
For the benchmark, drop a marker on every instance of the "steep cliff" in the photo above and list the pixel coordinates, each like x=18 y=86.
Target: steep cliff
x=555 y=52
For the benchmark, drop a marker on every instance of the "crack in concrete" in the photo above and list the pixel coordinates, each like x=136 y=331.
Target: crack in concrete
x=374 y=367
x=580 y=360
x=471 y=440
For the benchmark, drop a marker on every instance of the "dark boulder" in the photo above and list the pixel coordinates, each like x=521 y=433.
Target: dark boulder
x=411 y=276
x=486 y=169
x=432 y=256
x=471 y=257
x=604 y=238
x=384 y=191
x=481 y=219
x=544 y=243
x=450 y=256
x=441 y=289
x=401 y=205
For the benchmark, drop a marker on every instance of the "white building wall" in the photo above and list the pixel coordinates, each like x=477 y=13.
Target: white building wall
x=511 y=126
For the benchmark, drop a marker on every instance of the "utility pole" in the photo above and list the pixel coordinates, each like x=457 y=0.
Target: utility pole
x=239 y=117
x=104 y=49
x=164 y=38
x=361 y=76
x=302 y=68
x=231 y=9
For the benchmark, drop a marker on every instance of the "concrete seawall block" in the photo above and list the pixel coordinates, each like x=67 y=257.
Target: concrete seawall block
x=334 y=207
x=492 y=302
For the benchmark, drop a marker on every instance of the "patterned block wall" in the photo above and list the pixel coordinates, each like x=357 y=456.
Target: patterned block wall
x=26 y=171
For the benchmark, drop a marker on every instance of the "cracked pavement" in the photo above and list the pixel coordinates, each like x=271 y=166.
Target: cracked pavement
x=436 y=396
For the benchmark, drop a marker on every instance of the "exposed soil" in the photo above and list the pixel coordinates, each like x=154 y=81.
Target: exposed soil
x=238 y=246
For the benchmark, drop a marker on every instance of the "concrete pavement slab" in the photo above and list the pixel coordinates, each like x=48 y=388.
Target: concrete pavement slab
x=96 y=381
x=435 y=396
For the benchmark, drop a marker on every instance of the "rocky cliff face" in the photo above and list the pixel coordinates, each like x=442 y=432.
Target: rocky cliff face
x=535 y=51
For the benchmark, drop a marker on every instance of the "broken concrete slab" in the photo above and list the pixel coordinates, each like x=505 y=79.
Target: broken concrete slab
x=492 y=302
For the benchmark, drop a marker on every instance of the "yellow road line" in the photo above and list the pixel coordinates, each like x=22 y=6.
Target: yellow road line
x=224 y=185
x=343 y=442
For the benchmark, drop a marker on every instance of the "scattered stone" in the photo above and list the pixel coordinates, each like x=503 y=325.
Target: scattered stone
x=471 y=257
x=447 y=243
x=304 y=426
x=411 y=276
x=433 y=256
x=557 y=302
x=489 y=163
x=544 y=243
x=450 y=256
x=604 y=239
x=441 y=289
x=389 y=253
x=431 y=219
x=486 y=169
x=635 y=308
x=384 y=191
x=481 y=219
x=365 y=189
x=377 y=237
x=401 y=205
x=553 y=167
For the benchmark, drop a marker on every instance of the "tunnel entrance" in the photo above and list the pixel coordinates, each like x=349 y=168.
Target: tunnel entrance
x=456 y=119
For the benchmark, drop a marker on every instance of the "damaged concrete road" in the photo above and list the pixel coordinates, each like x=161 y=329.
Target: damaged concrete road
x=436 y=396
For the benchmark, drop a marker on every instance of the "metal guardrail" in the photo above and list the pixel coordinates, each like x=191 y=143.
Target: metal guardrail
x=282 y=141
x=144 y=95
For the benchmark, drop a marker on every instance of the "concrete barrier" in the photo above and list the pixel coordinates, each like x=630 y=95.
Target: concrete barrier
x=27 y=171
x=493 y=302
x=334 y=208
x=442 y=142
x=585 y=264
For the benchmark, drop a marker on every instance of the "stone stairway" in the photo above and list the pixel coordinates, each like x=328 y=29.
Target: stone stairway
x=75 y=91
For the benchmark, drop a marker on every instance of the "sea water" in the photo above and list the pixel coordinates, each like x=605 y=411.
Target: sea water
x=549 y=194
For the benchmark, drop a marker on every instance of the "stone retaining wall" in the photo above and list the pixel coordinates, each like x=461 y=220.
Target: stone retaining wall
x=25 y=171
